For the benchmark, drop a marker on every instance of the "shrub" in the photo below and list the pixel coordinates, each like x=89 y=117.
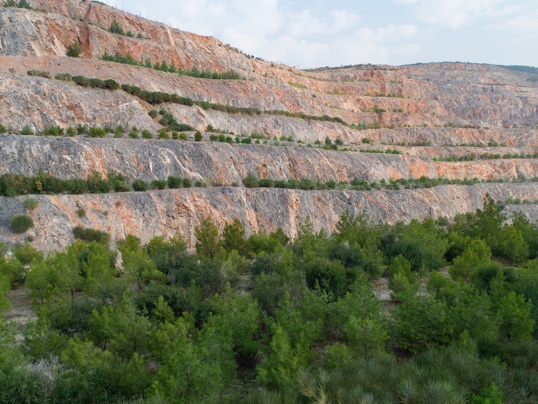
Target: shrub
x=175 y=182
x=81 y=212
x=21 y=223
x=116 y=28
x=250 y=181
x=64 y=77
x=140 y=185
x=187 y=183
x=183 y=136
x=90 y=235
x=159 y=184
x=133 y=133
x=153 y=113
x=27 y=131
x=71 y=132
x=53 y=131
x=74 y=50
x=180 y=126
x=31 y=203
x=264 y=182
x=2 y=129
x=81 y=130
x=39 y=73
x=163 y=134
x=97 y=132
x=198 y=136
x=146 y=134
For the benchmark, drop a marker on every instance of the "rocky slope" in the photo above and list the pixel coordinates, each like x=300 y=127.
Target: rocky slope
x=166 y=213
x=230 y=163
x=425 y=111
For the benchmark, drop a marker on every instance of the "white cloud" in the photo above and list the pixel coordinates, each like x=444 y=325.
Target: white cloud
x=523 y=24
x=272 y=30
x=457 y=13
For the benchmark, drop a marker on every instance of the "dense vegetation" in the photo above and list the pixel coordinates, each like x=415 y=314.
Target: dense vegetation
x=266 y=320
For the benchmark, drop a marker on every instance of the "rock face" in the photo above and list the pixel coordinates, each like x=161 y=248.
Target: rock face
x=425 y=111
x=166 y=213
x=228 y=164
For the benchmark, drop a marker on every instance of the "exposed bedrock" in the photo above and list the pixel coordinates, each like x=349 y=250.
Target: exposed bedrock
x=166 y=213
x=228 y=164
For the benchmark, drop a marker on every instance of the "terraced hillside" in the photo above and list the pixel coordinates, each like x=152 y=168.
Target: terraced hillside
x=150 y=112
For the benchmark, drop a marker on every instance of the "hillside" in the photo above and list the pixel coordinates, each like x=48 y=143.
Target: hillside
x=442 y=120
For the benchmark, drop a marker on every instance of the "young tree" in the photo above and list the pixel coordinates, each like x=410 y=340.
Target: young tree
x=207 y=239
x=233 y=237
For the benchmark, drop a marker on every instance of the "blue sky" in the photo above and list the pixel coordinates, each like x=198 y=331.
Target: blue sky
x=341 y=32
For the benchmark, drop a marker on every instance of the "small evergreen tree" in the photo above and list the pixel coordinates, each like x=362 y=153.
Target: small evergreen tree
x=116 y=28
x=74 y=50
x=21 y=223
x=207 y=239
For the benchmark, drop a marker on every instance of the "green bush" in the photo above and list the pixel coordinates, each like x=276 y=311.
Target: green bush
x=116 y=28
x=133 y=133
x=64 y=77
x=198 y=136
x=159 y=184
x=31 y=203
x=53 y=131
x=90 y=235
x=74 y=50
x=250 y=181
x=163 y=134
x=140 y=185
x=27 y=131
x=21 y=223
x=2 y=129
x=39 y=73
x=146 y=134
x=175 y=182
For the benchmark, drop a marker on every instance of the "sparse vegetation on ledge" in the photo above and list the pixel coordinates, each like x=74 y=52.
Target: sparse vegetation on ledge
x=158 y=97
x=42 y=183
x=486 y=156
x=17 y=184
x=170 y=68
x=251 y=181
x=116 y=28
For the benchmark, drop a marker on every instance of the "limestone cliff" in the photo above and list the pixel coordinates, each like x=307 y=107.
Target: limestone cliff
x=425 y=111
x=166 y=213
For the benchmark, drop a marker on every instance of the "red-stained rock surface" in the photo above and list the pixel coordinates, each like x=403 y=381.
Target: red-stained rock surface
x=423 y=111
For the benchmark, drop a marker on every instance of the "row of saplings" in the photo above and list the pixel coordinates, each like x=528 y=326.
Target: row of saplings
x=95 y=183
x=263 y=319
x=44 y=183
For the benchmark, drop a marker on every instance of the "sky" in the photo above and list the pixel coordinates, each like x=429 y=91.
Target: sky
x=318 y=33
